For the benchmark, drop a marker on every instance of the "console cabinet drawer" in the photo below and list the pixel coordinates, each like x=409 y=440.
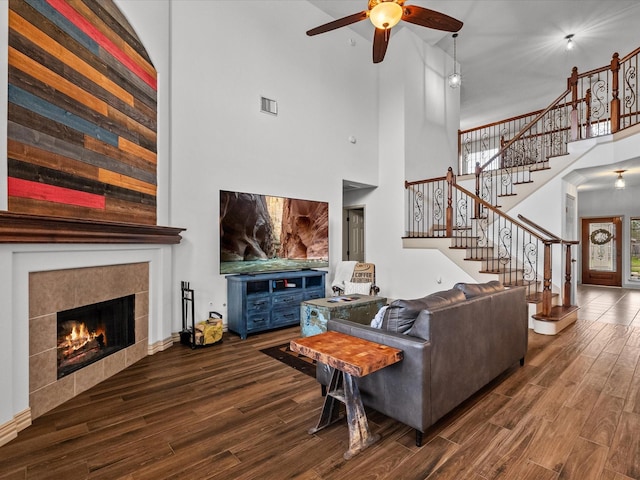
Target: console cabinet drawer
x=282 y=300
x=258 y=322
x=258 y=303
x=264 y=301
x=287 y=316
x=313 y=293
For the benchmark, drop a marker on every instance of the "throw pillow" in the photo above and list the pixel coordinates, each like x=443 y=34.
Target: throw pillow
x=377 y=320
x=351 y=288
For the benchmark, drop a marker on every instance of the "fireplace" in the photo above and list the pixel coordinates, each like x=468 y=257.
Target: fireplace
x=59 y=292
x=91 y=332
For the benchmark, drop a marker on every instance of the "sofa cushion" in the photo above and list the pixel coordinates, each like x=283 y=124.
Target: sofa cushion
x=471 y=290
x=401 y=314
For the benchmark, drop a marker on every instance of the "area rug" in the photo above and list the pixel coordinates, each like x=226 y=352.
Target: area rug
x=285 y=355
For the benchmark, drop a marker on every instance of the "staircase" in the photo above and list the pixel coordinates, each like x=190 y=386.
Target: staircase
x=505 y=159
x=493 y=246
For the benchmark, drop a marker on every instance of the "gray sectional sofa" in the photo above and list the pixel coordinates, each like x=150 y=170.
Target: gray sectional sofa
x=454 y=343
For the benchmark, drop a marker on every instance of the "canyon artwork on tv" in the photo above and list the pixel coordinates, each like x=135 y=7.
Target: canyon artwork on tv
x=263 y=233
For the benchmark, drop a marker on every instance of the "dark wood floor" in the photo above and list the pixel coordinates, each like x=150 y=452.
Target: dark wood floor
x=231 y=412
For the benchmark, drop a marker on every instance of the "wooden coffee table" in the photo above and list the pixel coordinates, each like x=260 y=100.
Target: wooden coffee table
x=350 y=357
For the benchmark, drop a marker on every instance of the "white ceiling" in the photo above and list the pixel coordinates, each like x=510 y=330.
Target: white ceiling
x=515 y=49
x=603 y=178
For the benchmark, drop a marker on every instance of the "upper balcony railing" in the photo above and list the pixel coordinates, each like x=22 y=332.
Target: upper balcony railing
x=598 y=102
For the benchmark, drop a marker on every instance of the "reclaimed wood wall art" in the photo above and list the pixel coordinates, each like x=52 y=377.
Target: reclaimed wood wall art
x=82 y=123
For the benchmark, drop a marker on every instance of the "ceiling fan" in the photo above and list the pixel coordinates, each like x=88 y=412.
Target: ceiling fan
x=385 y=14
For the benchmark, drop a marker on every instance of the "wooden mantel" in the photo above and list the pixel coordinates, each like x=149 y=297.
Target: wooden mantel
x=23 y=228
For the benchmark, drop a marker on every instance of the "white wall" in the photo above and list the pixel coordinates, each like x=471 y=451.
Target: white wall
x=400 y=111
x=226 y=55
x=415 y=142
x=432 y=108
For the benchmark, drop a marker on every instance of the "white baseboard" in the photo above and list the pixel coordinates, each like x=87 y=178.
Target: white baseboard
x=160 y=346
x=10 y=430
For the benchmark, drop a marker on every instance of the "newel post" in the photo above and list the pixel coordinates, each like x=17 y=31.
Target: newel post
x=451 y=180
x=546 y=286
x=566 y=297
x=575 y=121
x=615 y=101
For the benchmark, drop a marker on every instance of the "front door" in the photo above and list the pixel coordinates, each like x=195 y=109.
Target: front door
x=602 y=251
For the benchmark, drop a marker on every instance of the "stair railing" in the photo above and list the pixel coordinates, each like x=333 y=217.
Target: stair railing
x=504 y=153
x=627 y=114
x=518 y=255
x=568 y=257
x=545 y=136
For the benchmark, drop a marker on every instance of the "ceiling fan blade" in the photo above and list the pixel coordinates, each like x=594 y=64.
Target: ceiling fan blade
x=380 y=42
x=430 y=19
x=341 y=22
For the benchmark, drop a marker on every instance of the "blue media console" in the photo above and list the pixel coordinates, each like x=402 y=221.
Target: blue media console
x=265 y=301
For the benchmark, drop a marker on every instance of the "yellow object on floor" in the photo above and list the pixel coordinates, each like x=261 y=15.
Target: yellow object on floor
x=209 y=331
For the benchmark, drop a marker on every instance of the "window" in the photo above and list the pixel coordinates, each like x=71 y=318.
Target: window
x=469 y=163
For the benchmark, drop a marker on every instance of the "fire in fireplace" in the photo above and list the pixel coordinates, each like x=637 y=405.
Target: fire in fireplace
x=91 y=332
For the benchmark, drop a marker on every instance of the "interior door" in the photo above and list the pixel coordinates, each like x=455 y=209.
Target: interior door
x=602 y=251
x=355 y=234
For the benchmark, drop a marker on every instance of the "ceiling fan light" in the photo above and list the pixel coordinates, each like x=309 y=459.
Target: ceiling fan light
x=385 y=15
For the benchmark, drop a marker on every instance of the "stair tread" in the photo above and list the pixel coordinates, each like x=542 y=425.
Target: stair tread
x=520 y=283
x=536 y=297
x=558 y=312
x=502 y=271
x=539 y=169
x=455 y=229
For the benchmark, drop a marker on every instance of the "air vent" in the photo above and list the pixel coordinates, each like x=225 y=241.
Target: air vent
x=268 y=106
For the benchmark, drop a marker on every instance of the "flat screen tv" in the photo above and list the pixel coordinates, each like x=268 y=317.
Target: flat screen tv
x=264 y=233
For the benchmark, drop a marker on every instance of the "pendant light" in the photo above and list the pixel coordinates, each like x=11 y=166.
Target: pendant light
x=455 y=79
x=570 y=45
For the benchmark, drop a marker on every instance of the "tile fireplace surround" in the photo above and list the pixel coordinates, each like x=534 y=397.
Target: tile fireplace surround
x=57 y=290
